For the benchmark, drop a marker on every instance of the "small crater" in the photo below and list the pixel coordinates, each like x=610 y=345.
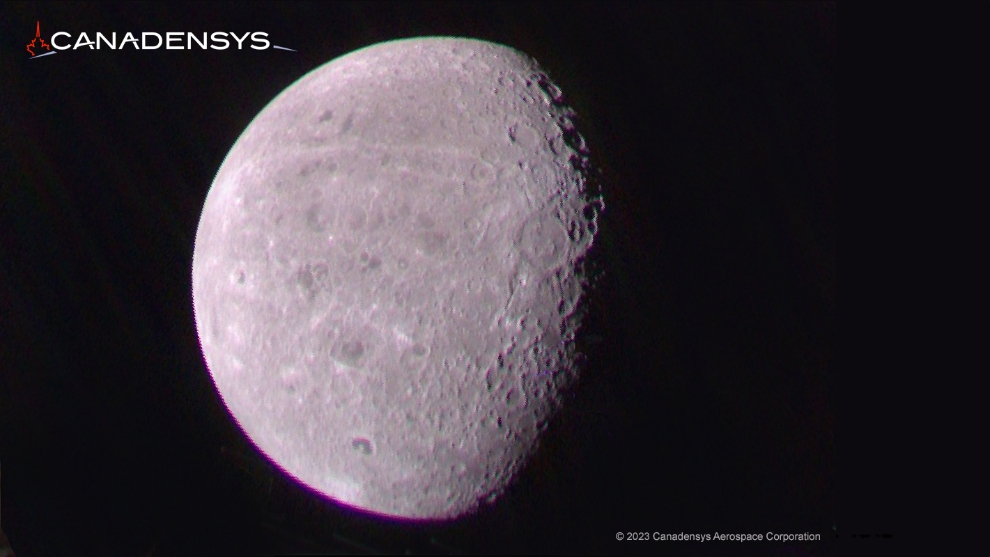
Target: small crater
x=305 y=277
x=361 y=445
x=370 y=262
x=472 y=225
x=241 y=277
x=413 y=358
x=577 y=163
x=575 y=141
x=291 y=379
x=575 y=232
x=433 y=242
x=320 y=271
x=525 y=136
x=352 y=350
x=492 y=380
x=512 y=398
x=490 y=155
x=311 y=168
x=589 y=212
x=315 y=220
x=348 y=122
x=482 y=173
x=541 y=241
x=553 y=93
x=326 y=116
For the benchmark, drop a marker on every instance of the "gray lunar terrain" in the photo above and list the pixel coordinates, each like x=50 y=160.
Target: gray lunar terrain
x=387 y=273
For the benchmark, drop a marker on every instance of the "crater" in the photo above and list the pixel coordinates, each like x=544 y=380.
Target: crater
x=356 y=219
x=352 y=351
x=326 y=116
x=541 y=241
x=315 y=218
x=525 y=136
x=574 y=140
x=348 y=122
x=432 y=242
x=413 y=358
x=320 y=271
x=482 y=173
x=590 y=212
x=493 y=379
x=305 y=277
x=575 y=232
x=361 y=445
x=291 y=379
x=322 y=165
x=370 y=262
x=553 y=93
x=513 y=398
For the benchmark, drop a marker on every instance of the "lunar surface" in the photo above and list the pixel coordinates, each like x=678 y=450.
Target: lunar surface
x=387 y=276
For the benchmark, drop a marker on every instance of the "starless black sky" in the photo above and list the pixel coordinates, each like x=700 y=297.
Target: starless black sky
x=708 y=407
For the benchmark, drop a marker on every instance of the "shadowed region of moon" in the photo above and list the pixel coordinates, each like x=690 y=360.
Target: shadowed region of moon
x=388 y=271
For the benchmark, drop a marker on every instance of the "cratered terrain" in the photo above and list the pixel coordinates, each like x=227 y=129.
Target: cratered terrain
x=388 y=278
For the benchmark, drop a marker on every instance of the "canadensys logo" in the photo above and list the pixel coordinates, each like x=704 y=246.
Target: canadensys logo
x=38 y=43
x=150 y=40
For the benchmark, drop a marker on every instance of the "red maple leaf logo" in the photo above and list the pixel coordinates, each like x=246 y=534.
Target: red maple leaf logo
x=37 y=37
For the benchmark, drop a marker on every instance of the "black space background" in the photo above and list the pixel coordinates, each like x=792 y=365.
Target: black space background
x=709 y=407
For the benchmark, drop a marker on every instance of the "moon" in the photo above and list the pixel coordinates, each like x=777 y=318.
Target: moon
x=388 y=273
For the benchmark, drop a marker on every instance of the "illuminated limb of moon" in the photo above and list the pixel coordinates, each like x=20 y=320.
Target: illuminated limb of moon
x=387 y=272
